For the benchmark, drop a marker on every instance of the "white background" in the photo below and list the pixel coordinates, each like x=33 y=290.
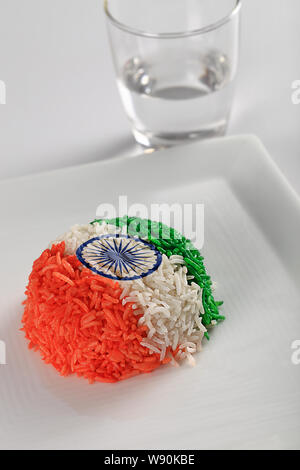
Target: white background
x=62 y=103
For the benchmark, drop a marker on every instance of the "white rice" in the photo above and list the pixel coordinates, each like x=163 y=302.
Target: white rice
x=169 y=306
x=79 y=234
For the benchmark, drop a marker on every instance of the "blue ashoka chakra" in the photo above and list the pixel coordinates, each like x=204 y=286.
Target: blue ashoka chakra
x=119 y=257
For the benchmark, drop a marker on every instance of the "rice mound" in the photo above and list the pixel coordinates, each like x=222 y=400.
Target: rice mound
x=107 y=330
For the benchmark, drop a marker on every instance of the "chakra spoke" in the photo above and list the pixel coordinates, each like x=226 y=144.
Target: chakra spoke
x=125 y=247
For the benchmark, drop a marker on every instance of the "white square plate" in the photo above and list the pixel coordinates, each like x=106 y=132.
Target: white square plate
x=244 y=390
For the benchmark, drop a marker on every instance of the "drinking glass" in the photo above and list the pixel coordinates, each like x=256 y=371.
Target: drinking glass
x=176 y=63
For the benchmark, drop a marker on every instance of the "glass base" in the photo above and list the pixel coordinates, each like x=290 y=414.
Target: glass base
x=155 y=141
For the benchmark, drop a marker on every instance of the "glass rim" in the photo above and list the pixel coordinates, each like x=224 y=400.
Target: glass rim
x=180 y=34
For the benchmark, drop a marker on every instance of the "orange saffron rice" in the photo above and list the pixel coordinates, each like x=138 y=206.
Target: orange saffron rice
x=77 y=322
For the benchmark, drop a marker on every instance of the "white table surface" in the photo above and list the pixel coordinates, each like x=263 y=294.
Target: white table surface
x=62 y=103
